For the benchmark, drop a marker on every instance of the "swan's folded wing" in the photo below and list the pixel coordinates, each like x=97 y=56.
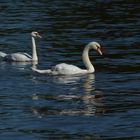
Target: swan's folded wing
x=17 y=57
x=66 y=69
x=29 y=56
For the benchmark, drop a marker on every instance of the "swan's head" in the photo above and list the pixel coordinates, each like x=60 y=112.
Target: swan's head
x=35 y=35
x=96 y=46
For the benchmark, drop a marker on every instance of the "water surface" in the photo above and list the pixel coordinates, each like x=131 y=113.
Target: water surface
x=103 y=105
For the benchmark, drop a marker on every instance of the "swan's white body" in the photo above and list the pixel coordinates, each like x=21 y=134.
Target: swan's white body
x=66 y=69
x=62 y=69
x=22 y=57
x=18 y=57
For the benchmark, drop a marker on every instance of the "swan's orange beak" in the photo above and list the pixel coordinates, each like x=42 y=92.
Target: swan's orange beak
x=39 y=36
x=99 y=51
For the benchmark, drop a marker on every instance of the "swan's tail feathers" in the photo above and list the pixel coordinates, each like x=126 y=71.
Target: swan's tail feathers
x=2 y=55
x=42 y=71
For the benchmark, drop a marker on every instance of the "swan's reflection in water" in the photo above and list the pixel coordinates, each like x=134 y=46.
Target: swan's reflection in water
x=89 y=102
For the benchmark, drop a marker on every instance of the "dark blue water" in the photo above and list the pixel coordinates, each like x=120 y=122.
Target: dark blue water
x=102 y=106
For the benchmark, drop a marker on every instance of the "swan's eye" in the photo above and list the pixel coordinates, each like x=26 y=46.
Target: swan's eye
x=99 y=51
x=37 y=35
x=98 y=47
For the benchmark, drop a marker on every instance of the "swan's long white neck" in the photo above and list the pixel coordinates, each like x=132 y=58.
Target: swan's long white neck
x=34 y=52
x=86 y=60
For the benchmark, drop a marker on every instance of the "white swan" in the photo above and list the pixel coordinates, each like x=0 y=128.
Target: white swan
x=22 y=57
x=65 y=69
